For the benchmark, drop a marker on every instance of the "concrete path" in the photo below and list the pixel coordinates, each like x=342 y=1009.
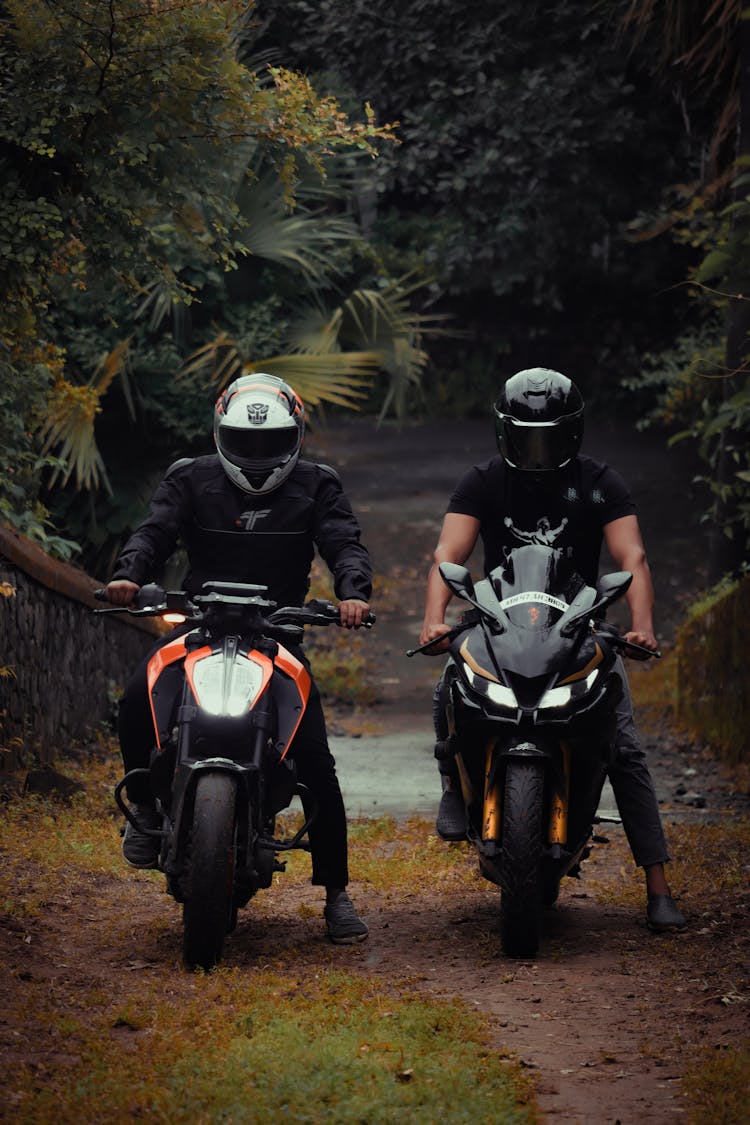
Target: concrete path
x=396 y=775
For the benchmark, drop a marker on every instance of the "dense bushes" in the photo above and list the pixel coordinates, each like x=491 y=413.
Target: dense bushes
x=714 y=673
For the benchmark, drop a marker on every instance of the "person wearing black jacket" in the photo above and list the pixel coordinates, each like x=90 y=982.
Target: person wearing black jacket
x=253 y=512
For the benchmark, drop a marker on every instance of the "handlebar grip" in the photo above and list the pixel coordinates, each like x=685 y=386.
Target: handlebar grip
x=101 y=594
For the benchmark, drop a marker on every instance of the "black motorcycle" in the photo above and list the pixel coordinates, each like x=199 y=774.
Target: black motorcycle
x=227 y=698
x=529 y=697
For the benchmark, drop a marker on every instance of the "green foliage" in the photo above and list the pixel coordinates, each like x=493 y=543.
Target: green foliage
x=528 y=142
x=126 y=131
x=713 y=682
x=702 y=380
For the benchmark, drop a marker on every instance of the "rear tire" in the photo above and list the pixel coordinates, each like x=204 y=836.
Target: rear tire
x=207 y=910
x=520 y=866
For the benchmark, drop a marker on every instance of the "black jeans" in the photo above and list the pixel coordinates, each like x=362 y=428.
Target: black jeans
x=629 y=777
x=316 y=768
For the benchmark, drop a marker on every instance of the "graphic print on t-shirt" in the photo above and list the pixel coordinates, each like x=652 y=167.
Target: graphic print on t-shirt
x=544 y=533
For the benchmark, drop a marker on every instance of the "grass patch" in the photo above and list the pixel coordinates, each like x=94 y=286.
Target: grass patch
x=718 y=1086
x=709 y=870
x=344 y=671
x=264 y=1046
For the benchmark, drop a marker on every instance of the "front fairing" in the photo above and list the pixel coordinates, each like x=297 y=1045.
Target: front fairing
x=516 y=661
x=224 y=689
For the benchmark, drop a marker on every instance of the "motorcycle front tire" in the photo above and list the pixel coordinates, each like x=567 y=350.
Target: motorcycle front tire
x=207 y=909
x=520 y=865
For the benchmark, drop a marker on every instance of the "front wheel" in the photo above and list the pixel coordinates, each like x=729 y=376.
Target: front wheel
x=207 y=910
x=520 y=867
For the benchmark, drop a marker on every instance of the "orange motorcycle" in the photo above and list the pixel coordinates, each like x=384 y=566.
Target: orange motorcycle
x=227 y=698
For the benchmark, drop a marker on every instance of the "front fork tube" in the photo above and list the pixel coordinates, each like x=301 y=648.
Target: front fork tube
x=559 y=801
x=493 y=797
x=557 y=832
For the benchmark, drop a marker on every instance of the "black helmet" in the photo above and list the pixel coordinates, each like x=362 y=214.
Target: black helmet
x=539 y=420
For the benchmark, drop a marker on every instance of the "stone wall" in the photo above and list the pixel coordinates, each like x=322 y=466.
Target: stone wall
x=714 y=673
x=60 y=665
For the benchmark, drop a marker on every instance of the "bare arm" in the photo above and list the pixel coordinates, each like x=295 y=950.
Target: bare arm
x=457 y=539
x=625 y=545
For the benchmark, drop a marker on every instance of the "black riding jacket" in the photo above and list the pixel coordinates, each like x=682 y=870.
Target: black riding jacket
x=232 y=536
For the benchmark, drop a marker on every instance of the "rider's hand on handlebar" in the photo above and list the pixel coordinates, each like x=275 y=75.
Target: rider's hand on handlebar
x=433 y=633
x=121 y=592
x=352 y=612
x=644 y=637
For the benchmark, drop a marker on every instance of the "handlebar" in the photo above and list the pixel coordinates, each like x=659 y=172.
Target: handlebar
x=629 y=648
x=156 y=602
x=448 y=636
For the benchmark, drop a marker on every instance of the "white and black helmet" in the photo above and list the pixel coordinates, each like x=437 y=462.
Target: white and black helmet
x=259 y=423
x=539 y=420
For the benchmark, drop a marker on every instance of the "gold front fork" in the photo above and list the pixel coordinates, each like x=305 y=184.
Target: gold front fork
x=492 y=813
x=558 y=812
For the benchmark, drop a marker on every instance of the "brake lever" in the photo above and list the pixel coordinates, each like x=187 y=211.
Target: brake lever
x=449 y=636
x=610 y=632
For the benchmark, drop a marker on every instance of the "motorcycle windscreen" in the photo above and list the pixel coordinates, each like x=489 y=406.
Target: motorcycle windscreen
x=534 y=586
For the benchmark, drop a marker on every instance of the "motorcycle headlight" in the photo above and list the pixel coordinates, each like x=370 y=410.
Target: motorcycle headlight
x=560 y=696
x=226 y=686
x=498 y=694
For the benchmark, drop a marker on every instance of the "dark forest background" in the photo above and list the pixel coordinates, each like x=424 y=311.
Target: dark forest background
x=393 y=206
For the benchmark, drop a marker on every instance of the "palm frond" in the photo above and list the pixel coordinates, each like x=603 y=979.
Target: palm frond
x=341 y=378
x=383 y=321
x=336 y=377
x=315 y=331
x=68 y=427
x=161 y=301
x=300 y=240
x=219 y=360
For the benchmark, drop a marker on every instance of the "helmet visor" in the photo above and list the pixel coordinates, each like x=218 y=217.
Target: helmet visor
x=539 y=446
x=260 y=448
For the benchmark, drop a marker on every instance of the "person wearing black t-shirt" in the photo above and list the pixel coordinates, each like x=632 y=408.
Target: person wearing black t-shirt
x=542 y=490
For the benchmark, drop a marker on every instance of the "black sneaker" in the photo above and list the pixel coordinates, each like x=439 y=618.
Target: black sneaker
x=663 y=914
x=138 y=849
x=451 y=817
x=342 y=922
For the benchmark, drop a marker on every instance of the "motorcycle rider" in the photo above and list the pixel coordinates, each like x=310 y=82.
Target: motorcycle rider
x=252 y=512
x=541 y=489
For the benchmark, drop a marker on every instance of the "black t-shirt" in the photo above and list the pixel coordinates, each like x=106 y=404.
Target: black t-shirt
x=566 y=510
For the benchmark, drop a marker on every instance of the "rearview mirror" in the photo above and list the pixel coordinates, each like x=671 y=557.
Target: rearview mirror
x=458 y=580
x=610 y=587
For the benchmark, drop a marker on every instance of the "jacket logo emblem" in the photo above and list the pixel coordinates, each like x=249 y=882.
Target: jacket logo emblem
x=257 y=412
x=248 y=520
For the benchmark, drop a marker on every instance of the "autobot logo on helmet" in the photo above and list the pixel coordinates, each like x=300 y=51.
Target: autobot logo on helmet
x=259 y=424
x=257 y=413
